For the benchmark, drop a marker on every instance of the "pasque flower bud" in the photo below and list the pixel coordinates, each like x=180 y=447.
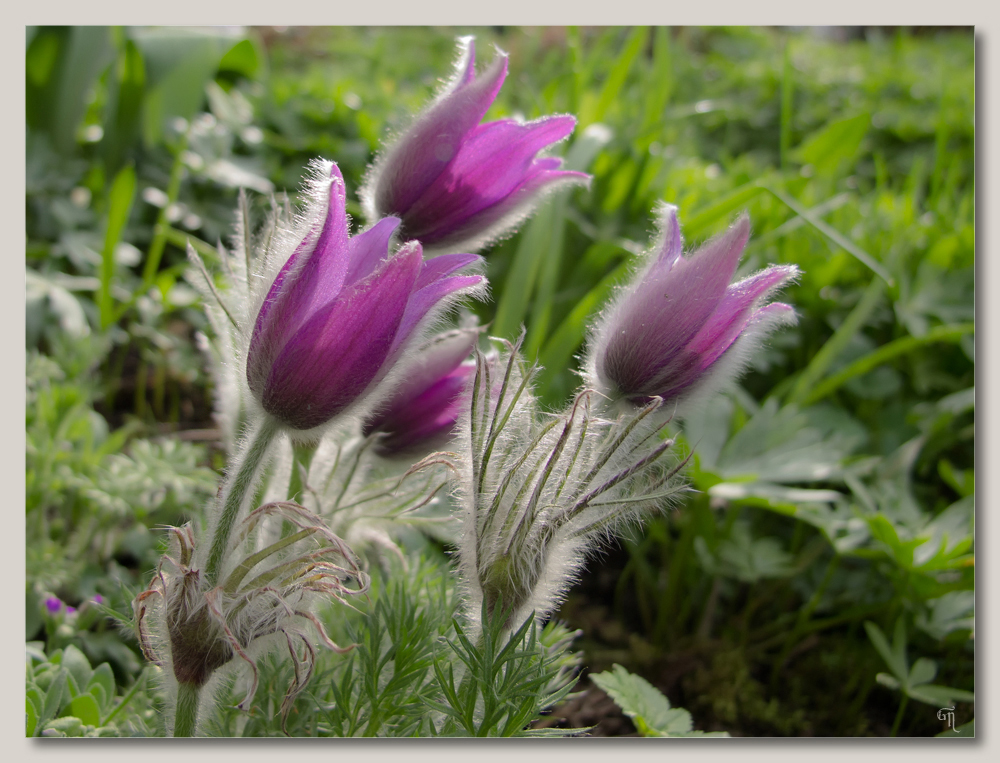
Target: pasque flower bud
x=340 y=312
x=681 y=325
x=455 y=183
x=422 y=411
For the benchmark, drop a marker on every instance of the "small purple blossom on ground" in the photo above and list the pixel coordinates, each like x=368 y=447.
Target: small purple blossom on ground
x=340 y=312
x=682 y=324
x=455 y=183
x=53 y=604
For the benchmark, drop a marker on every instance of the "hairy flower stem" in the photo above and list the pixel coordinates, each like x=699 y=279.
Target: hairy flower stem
x=302 y=455
x=237 y=491
x=186 y=712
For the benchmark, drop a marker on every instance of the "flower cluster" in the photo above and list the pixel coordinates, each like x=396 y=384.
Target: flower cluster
x=335 y=376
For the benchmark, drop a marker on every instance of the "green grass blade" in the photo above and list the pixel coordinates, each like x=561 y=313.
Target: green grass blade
x=580 y=156
x=704 y=219
x=536 y=260
x=181 y=239
x=512 y=307
x=119 y=206
x=661 y=82
x=836 y=344
x=884 y=354
x=787 y=88
x=565 y=341
x=616 y=77
x=835 y=236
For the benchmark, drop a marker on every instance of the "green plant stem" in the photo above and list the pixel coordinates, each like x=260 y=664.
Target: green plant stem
x=787 y=88
x=181 y=239
x=159 y=241
x=899 y=716
x=804 y=614
x=121 y=197
x=302 y=455
x=237 y=490
x=186 y=711
x=139 y=684
x=667 y=621
x=161 y=229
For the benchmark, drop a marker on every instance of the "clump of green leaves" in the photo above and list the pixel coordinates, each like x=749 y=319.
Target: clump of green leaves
x=66 y=697
x=914 y=681
x=647 y=706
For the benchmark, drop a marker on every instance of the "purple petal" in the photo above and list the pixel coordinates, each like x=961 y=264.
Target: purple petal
x=667 y=310
x=445 y=265
x=733 y=313
x=695 y=365
x=435 y=360
x=434 y=139
x=673 y=245
x=499 y=217
x=427 y=418
x=465 y=71
x=424 y=300
x=271 y=325
x=493 y=162
x=342 y=349
x=321 y=276
x=368 y=249
x=306 y=281
x=774 y=310
x=429 y=400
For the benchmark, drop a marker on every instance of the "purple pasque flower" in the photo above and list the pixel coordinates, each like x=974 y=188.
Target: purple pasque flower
x=455 y=183
x=422 y=411
x=682 y=323
x=341 y=311
x=53 y=604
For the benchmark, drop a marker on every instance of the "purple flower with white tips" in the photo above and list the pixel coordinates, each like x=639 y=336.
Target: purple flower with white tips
x=340 y=312
x=455 y=183
x=422 y=411
x=682 y=325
